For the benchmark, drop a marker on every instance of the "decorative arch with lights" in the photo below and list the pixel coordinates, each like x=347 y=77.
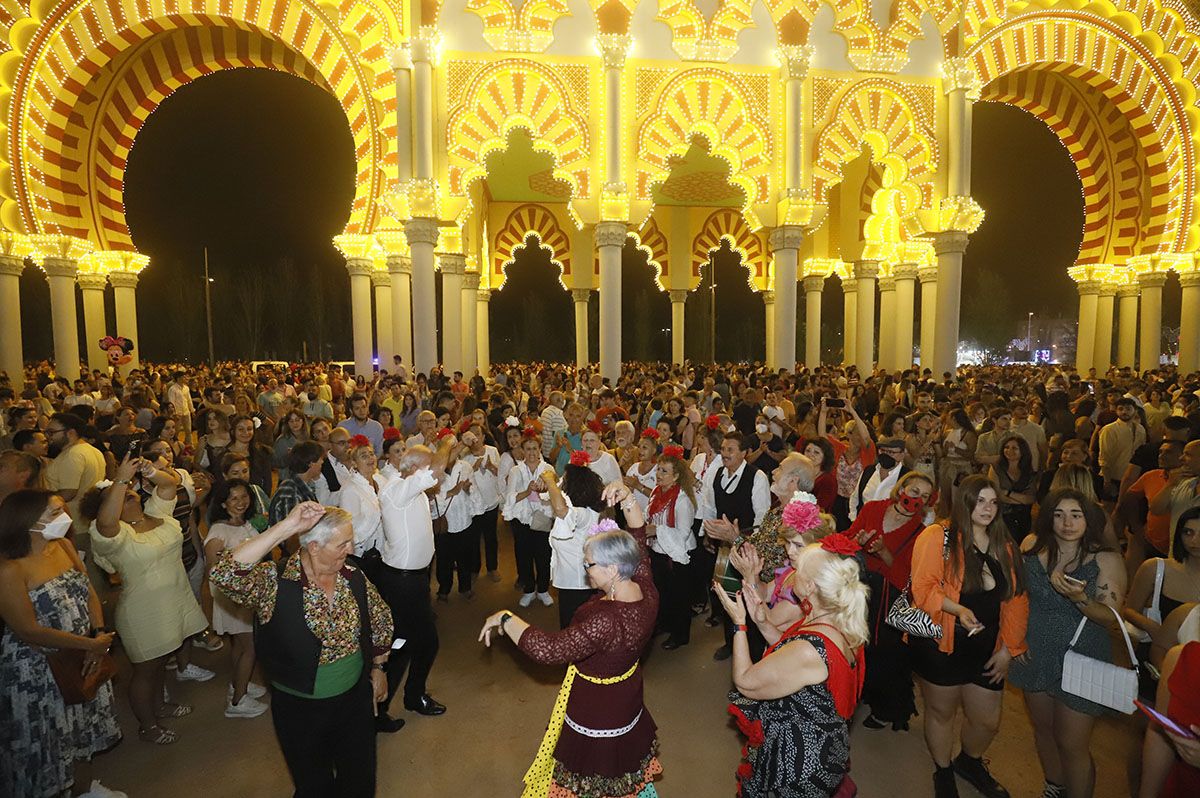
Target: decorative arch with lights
x=727 y=225
x=522 y=222
x=652 y=241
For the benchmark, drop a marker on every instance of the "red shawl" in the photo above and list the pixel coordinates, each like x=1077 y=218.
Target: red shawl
x=663 y=500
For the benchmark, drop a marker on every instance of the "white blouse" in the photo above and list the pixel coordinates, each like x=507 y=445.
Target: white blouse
x=358 y=497
x=675 y=541
x=485 y=485
x=535 y=504
x=605 y=466
x=704 y=475
x=649 y=480
x=456 y=509
x=567 y=538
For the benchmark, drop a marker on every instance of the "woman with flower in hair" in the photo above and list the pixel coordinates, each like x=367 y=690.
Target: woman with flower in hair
x=601 y=741
x=577 y=507
x=671 y=511
x=795 y=704
x=642 y=476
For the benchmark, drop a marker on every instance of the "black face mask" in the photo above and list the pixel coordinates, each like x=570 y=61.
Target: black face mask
x=886 y=461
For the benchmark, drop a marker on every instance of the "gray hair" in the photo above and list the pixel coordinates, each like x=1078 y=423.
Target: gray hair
x=804 y=469
x=618 y=548
x=413 y=457
x=334 y=519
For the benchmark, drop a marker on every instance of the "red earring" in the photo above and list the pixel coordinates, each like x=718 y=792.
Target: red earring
x=805 y=607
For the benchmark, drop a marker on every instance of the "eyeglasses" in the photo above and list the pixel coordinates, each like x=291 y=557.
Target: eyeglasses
x=587 y=566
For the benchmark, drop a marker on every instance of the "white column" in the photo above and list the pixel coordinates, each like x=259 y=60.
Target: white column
x=1151 y=328
x=360 y=269
x=381 y=281
x=613 y=50
x=950 y=247
x=1127 y=325
x=454 y=266
x=849 y=320
x=610 y=238
x=422 y=51
x=813 y=285
x=61 y=274
x=91 y=287
x=125 y=304
x=422 y=236
x=865 y=273
x=928 y=277
x=482 y=330
x=906 y=291
x=785 y=244
x=1189 y=323
x=400 y=268
x=470 y=320
x=581 y=297
x=887 y=323
x=12 y=358
x=1085 y=334
x=1102 y=355
x=769 y=308
x=401 y=64
x=678 y=304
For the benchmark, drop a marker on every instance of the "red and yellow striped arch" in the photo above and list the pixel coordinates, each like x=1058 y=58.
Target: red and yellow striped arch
x=82 y=76
x=529 y=219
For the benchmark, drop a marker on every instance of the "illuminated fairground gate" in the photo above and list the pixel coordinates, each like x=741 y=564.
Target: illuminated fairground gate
x=816 y=138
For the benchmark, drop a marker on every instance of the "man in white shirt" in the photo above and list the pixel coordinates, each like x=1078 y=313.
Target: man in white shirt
x=485 y=497
x=554 y=423
x=79 y=397
x=877 y=481
x=1118 y=441
x=403 y=577
x=180 y=396
x=426 y=430
x=335 y=471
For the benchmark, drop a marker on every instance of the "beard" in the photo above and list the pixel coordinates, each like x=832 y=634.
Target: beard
x=54 y=449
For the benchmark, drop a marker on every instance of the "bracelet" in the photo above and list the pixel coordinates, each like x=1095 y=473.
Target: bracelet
x=376 y=666
x=741 y=627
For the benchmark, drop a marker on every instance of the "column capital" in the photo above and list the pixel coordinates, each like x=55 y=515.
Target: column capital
x=768 y=297
x=59 y=247
x=814 y=283
x=887 y=283
x=1188 y=280
x=399 y=264
x=1133 y=289
x=452 y=263
x=866 y=269
x=679 y=295
x=381 y=279
x=611 y=234
x=422 y=48
x=581 y=294
x=12 y=264
x=1088 y=287
x=91 y=281
x=123 y=279
x=795 y=60
x=958 y=74
x=1108 y=289
x=1152 y=279
x=614 y=48
x=905 y=271
x=421 y=231
x=927 y=274
x=849 y=286
x=485 y=295
x=950 y=242
x=60 y=267
x=360 y=266
x=471 y=281
x=354 y=246
x=789 y=236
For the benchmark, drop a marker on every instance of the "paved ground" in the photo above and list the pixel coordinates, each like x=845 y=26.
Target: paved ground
x=498 y=705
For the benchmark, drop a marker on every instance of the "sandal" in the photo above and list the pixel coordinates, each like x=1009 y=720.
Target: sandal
x=173 y=711
x=157 y=735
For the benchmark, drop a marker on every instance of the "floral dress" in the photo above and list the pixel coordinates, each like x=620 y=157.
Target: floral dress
x=798 y=746
x=40 y=736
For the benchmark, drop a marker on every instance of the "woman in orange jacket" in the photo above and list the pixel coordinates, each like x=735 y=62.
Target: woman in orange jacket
x=968 y=576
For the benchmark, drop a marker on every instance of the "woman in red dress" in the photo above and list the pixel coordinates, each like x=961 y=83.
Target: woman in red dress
x=1170 y=761
x=601 y=741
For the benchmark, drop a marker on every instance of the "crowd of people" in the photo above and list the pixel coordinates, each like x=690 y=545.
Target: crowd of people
x=861 y=537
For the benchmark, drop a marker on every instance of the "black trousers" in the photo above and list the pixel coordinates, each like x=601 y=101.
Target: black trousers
x=701 y=568
x=407 y=595
x=674 y=609
x=328 y=743
x=570 y=600
x=454 y=555
x=888 y=684
x=484 y=528
x=533 y=558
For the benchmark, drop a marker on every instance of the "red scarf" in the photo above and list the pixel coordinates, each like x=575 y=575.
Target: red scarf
x=664 y=500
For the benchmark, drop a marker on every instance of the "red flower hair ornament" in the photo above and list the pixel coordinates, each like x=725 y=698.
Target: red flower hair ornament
x=391 y=434
x=529 y=432
x=359 y=440
x=581 y=458
x=713 y=421
x=595 y=426
x=840 y=543
x=650 y=433
x=444 y=432
x=673 y=451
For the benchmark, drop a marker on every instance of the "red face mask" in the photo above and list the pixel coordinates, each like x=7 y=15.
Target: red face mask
x=912 y=505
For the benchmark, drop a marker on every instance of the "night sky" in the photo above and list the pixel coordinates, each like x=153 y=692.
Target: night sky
x=258 y=166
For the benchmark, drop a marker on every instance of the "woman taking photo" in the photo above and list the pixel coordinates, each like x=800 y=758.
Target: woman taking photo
x=601 y=740
x=229 y=530
x=292 y=429
x=671 y=511
x=854 y=451
x=968 y=578
x=157 y=611
x=46 y=604
x=1017 y=479
x=529 y=515
x=795 y=704
x=887 y=531
x=1072 y=574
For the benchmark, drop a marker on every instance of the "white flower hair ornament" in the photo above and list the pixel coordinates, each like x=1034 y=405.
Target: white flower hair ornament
x=512 y=421
x=103 y=485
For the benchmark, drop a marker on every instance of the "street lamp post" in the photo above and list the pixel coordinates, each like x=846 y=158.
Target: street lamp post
x=1029 y=337
x=208 y=308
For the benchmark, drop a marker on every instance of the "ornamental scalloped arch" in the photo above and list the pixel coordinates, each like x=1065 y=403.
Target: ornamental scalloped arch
x=875 y=112
x=1135 y=74
x=706 y=103
x=852 y=20
x=651 y=240
x=517 y=94
x=726 y=224
x=696 y=35
x=528 y=26
x=522 y=222
x=53 y=60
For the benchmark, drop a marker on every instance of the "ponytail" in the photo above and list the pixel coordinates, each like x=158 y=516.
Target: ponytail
x=843 y=592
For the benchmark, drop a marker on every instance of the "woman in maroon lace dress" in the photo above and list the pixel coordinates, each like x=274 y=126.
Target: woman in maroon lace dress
x=601 y=740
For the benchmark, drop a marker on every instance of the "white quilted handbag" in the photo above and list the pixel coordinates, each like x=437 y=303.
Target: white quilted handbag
x=1101 y=682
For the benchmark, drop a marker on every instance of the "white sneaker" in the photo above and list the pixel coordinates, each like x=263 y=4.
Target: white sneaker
x=546 y=599
x=253 y=690
x=193 y=673
x=526 y=599
x=246 y=708
x=98 y=790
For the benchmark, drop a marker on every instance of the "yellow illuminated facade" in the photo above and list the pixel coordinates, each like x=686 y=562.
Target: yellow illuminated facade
x=821 y=139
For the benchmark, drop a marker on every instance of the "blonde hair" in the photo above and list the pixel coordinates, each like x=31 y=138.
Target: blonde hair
x=827 y=527
x=1075 y=477
x=840 y=591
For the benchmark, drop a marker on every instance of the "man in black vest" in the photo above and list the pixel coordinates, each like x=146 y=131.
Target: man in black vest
x=741 y=495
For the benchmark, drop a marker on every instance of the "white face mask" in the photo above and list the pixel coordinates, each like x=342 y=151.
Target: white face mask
x=57 y=528
x=760 y=428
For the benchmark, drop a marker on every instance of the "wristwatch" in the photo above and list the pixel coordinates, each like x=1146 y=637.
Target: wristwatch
x=504 y=619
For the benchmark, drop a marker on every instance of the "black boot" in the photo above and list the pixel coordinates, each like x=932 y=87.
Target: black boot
x=975 y=771
x=944 y=783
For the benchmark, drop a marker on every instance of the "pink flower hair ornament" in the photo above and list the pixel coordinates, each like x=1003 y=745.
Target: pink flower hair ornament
x=801 y=514
x=605 y=525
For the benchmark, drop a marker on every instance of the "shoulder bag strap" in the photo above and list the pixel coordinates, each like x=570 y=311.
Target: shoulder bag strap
x=1159 y=572
x=1120 y=624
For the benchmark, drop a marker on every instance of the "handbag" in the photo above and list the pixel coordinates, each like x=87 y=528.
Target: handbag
x=66 y=665
x=911 y=620
x=1098 y=681
x=440 y=525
